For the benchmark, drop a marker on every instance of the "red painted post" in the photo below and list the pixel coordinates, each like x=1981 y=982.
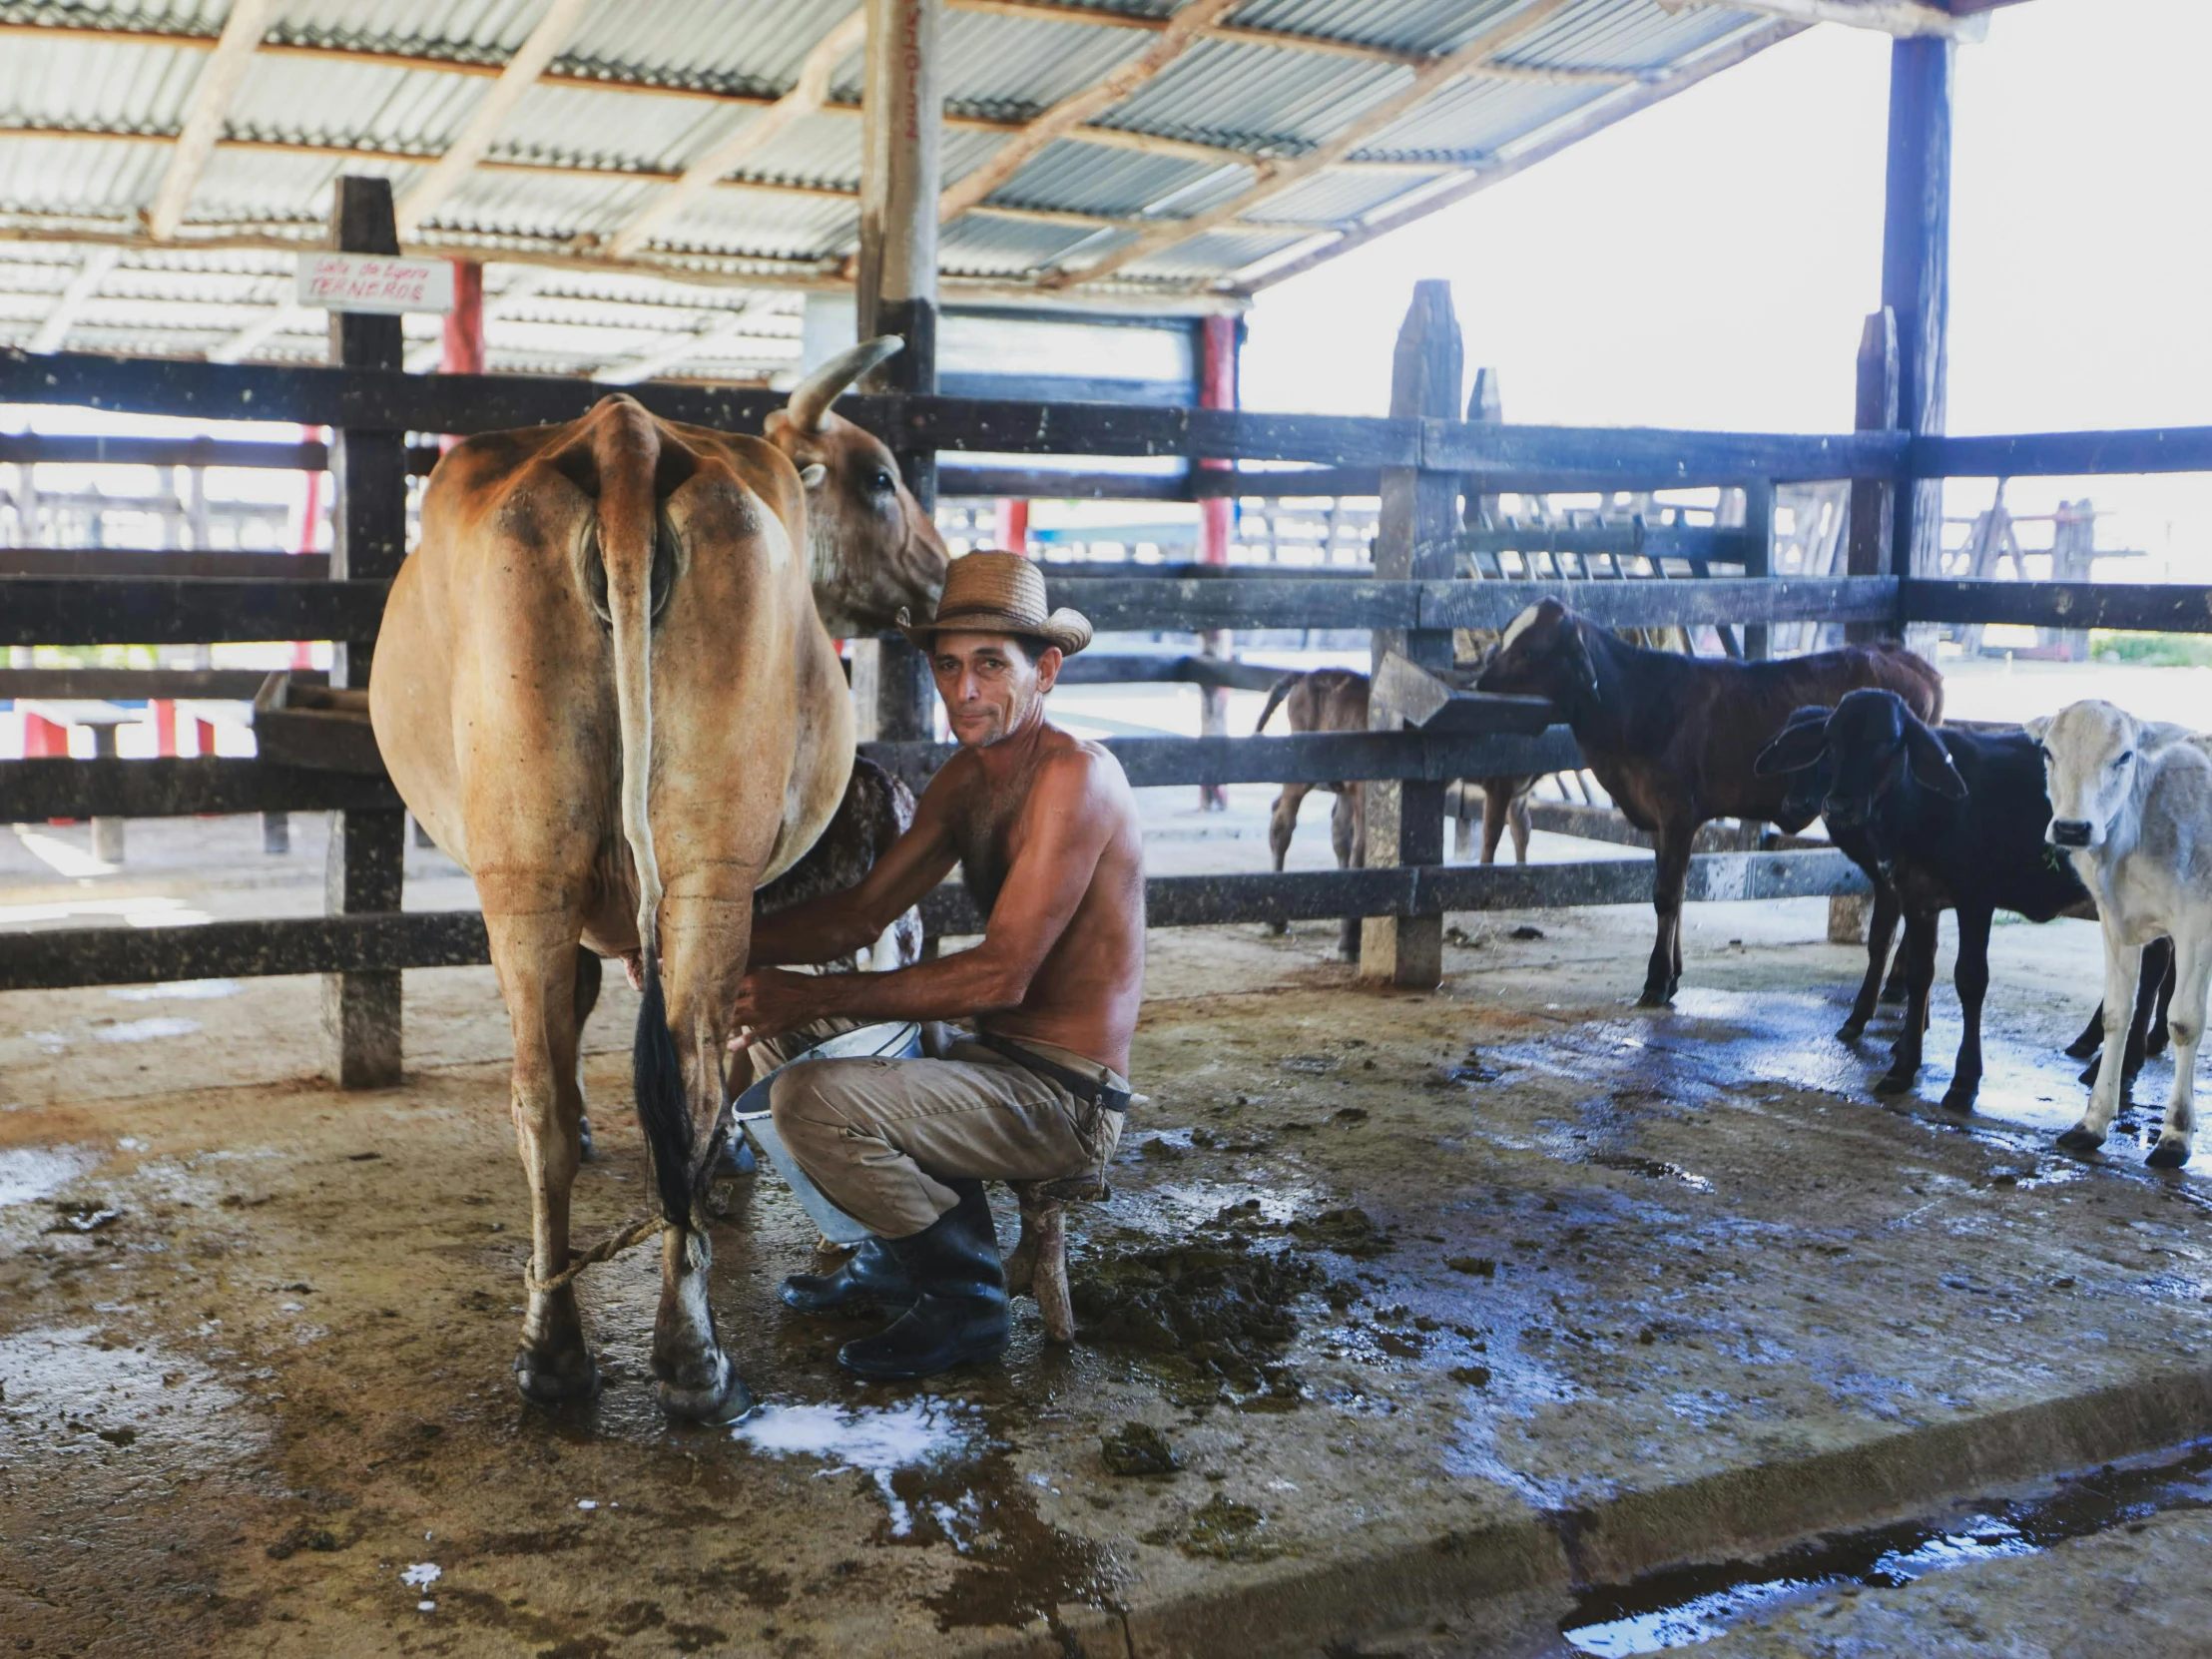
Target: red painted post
x=42 y=739
x=1013 y=526
x=203 y=737
x=163 y=716
x=1217 y=389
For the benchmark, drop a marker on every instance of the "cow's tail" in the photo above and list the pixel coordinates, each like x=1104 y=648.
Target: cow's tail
x=628 y=450
x=1274 y=701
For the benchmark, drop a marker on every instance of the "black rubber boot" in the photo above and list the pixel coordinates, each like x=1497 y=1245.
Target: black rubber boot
x=870 y=1274
x=960 y=1312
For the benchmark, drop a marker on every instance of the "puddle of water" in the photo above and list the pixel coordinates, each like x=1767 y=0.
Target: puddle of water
x=177 y=990
x=74 y=1397
x=145 y=1030
x=943 y=1480
x=30 y=1173
x=1695 y=1604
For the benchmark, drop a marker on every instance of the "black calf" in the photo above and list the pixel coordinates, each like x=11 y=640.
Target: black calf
x=1800 y=806
x=1957 y=818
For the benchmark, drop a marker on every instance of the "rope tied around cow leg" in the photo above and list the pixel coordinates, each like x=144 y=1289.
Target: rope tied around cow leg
x=606 y=1249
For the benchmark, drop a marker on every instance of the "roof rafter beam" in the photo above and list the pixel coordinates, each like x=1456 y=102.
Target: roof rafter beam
x=70 y=304
x=212 y=96
x=276 y=320
x=1288 y=263
x=771 y=187
x=675 y=348
x=1888 y=17
x=1276 y=177
x=806 y=96
x=469 y=146
x=1181 y=34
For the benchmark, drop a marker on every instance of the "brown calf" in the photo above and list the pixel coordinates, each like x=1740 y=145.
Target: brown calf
x=1336 y=700
x=1674 y=739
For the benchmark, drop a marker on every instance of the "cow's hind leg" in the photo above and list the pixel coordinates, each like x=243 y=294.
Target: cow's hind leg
x=2185 y=1018
x=1282 y=825
x=537 y=959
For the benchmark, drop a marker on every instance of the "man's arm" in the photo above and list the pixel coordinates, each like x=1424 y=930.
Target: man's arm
x=1066 y=825
x=833 y=927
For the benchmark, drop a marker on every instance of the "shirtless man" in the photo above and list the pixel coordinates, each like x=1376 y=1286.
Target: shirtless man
x=1044 y=829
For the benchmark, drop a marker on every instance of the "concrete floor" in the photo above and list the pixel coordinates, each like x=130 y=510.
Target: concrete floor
x=1449 y=1306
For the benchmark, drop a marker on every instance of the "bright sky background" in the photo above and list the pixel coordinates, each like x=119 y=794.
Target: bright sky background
x=1708 y=263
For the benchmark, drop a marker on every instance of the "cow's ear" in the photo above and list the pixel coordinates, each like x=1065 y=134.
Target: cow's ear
x=1797 y=746
x=2038 y=727
x=1930 y=763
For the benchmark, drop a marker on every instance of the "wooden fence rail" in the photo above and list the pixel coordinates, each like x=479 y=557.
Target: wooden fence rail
x=382 y=942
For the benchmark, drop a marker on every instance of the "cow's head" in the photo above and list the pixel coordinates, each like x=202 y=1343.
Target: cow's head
x=870 y=549
x=1799 y=752
x=2089 y=759
x=1544 y=654
x=1870 y=745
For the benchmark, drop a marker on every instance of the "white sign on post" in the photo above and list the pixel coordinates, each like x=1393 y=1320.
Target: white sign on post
x=382 y=282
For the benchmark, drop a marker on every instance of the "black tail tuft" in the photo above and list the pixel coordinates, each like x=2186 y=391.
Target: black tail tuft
x=656 y=1074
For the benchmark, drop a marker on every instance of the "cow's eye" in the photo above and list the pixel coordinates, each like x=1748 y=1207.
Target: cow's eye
x=882 y=481
x=2126 y=755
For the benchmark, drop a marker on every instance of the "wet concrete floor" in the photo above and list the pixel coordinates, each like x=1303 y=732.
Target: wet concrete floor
x=1438 y=1311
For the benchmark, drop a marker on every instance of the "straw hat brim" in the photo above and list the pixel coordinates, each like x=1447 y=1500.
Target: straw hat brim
x=1069 y=630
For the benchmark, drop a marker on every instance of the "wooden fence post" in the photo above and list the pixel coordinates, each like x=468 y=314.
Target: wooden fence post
x=1406 y=820
x=1758 y=558
x=1867 y=550
x=369 y=539
x=897 y=292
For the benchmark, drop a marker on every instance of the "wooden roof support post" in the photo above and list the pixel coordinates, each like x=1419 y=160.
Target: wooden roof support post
x=361 y=1011
x=1217 y=339
x=212 y=96
x=1414 y=543
x=896 y=294
x=1915 y=281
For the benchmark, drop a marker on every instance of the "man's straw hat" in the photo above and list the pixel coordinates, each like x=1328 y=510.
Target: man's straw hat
x=999 y=593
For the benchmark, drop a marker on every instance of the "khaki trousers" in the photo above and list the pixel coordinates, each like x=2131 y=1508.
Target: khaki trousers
x=881 y=1137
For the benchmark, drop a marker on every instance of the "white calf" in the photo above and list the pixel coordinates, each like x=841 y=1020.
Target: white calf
x=2134 y=810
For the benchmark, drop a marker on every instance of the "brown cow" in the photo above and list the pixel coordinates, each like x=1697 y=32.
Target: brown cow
x=1336 y=700
x=604 y=686
x=1674 y=739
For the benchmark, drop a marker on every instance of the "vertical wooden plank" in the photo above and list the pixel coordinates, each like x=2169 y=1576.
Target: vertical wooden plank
x=897 y=288
x=1916 y=275
x=1217 y=339
x=1759 y=558
x=1866 y=544
x=369 y=538
x=1420 y=510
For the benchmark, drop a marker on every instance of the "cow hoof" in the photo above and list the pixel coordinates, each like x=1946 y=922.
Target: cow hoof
x=1851 y=1030
x=2171 y=1152
x=2081 y=1139
x=556 y=1380
x=1896 y=1082
x=2090 y=1071
x=2085 y=1047
x=1279 y=927
x=1656 y=996
x=584 y=1148
x=725 y=1400
x=1959 y=1097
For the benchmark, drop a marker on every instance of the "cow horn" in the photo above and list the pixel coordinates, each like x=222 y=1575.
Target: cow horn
x=811 y=397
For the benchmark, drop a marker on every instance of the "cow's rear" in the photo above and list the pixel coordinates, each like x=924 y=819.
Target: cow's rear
x=603 y=684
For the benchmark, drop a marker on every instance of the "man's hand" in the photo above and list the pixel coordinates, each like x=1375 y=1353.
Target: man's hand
x=772 y=1003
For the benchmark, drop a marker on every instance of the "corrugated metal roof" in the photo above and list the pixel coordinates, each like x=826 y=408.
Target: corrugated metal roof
x=640 y=92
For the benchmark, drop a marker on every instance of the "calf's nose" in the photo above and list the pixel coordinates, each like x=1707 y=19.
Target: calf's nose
x=2070 y=832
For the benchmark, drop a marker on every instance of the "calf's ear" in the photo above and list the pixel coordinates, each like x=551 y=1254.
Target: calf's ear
x=2038 y=727
x=1930 y=763
x=1797 y=746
